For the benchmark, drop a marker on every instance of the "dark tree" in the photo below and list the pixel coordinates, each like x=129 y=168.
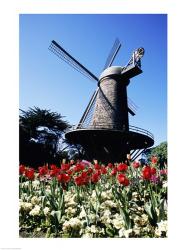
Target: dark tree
x=160 y=151
x=39 y=132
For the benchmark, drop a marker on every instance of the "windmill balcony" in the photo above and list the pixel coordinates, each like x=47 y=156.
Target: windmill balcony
x=106 y=126
x=134 y=137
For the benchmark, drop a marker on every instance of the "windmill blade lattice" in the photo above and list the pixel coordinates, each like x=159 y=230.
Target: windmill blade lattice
x=132 y=107
x=113 y=53
x=86 y=119
x=65 y=56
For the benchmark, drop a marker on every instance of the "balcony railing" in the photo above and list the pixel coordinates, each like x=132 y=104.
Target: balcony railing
x=110 y=126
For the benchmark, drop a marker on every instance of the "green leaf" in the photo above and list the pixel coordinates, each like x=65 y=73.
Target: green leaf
x=161 y=211
x=109 y=232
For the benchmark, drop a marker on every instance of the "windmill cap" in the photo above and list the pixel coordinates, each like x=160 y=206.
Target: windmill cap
x=113 y=70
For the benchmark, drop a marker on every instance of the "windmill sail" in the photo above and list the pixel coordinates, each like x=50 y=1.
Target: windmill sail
x=64 y=55
x=88 y=114
x=112 y=54
x=132 y=107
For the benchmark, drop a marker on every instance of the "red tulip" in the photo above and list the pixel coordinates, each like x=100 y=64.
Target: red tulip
x=95 y=177
x=70 y=172
x=114 y=171
x=154 y=159
x=43 y=170
x=136 y=164
x=53 y=166
x=29 y=173
x=79 y=180
x=85 y=177
x=90 y=170
x=146 y=173
x=79 y=167
x=63 y=178
x=153 y=171
x=110 y=165
x=103 y=170
x=123 y=179
x=122 y=167
x=65 y=167
x=97 y=166
x=22 y=169
x=54 y=172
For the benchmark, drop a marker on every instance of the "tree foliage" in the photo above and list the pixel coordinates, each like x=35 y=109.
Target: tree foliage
x=40 y=132
x=160 y=151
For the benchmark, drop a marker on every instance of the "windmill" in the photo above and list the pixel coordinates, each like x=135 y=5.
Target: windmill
x=103 y=130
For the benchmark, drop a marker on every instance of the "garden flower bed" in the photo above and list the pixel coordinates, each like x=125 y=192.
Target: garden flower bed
x=83 y=199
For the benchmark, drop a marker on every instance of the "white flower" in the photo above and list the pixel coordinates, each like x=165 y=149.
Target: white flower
x=66 y=226
x=157 y=211
x=82 y=213
x=108 y=204
x=107 y=185
x=134 y=195
x=93 y=217
x=140 y=209
x=48 y=191
x=75 y=223
x=93 y=229
x=21 y=204
x=148 y=228
x=25 y=184
x=158 y=233
x=136 y=230
x=27 y=206
x=94 y=194
x=107 y=195
x=70 y=211
x=70 y=200
x=87 y=235
x=118 y=216
x=104 y=195
x=36 y=183
x=107 y=213
x=164 y=184
x=118 y=223
x=35 y=200
x=46 y=211
x=101 y=230
x=141 y=220
x=35 y=211
x=124 y=232
x=163 y=226
x=106 y=217
x=71 y=203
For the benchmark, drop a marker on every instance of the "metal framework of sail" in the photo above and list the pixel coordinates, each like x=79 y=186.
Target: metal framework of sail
x=112 y=54
x=86 y=119
x=65 y=56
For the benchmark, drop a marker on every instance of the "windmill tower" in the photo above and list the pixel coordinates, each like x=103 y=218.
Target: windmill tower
x=104 y=131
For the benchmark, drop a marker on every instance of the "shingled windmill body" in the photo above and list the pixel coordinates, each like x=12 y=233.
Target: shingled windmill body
x=104 y=131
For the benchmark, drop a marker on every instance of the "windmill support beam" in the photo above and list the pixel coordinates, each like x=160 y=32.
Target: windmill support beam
x=140 y=151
